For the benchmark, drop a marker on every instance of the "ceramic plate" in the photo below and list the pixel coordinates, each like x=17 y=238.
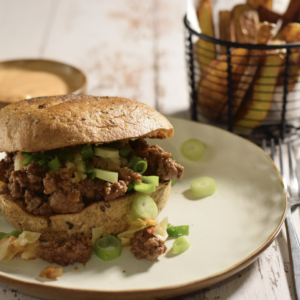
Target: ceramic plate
x=228 y=230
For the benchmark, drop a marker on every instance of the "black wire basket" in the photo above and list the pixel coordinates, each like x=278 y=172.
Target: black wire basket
x=249 y=89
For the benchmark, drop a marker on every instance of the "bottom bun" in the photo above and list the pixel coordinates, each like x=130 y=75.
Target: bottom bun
x=111 y=215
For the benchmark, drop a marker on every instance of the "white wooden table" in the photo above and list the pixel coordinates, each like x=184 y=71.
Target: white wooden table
x=130 y=48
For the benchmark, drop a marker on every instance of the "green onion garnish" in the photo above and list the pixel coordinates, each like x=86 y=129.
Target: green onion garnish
x=42 y=162
x=91 y=175
x=107 y=175
x=203 y=186
x=124 y=151
x=26 y=154
x=137 y=164
x=133 y=161
x=181 y=244
x=192 y=149
x=175 y=231
x=54 y=164
x=14 y=233
x=89 y=169
x=144 y=187
x=129 y=187
x=151 y=179
x=173 y=182
x=27 y=160
x=108 y=248
x=144 y=207
x=87 y=152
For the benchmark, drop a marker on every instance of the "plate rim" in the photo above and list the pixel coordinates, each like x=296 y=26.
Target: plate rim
x=40 y=290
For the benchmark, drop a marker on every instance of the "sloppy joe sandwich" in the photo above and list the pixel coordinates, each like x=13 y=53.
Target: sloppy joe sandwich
x=76 y=162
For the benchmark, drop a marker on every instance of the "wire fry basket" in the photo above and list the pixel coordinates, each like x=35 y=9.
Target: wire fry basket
x=249 y=89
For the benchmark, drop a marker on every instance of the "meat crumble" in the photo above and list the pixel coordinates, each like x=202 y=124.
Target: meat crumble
x=146 y=245
x=47 y=193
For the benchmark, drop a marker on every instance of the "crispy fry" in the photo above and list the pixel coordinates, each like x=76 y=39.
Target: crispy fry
x=224 y=27
x=246 y=22
x=212 y=87
x=255 y=108
x=256 y=3
x=51 y=272
x=268 y=15
x=205 y=51
x=256 y=59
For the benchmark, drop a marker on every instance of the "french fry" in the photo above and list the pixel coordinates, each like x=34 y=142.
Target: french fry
x=245 y=20
x=224 y=27
x=268 y=15
x=291 y=34
x=265 y=33
x=205 y=51
x=256 y=3
x=255 y=109
x=212 y=87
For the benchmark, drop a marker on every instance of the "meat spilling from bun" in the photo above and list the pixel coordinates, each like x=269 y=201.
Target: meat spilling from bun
x=76 y=162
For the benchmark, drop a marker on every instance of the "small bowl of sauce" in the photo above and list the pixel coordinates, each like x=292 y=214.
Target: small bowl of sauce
x=30 y=78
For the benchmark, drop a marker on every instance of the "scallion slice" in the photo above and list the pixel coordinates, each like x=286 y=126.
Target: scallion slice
x=107 y=175
x=106 y=152
x=129 y=187
x=144 y=187
x=108 y=248
x=203 y=186
x=87 y=152
x=26 y=154
x=92 y=175
x=124 y=151
x=181 y=244
x=140 y=167
x=133 y=161
x=173 y=182
x=54 y=164
x=144 y=207
x=192 y=149
x=175 y=231
x=151 y=179
x=42 y=162
x=14 y=233
x=27 y=160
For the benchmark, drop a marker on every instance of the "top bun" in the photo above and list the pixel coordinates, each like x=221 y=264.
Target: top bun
x=53 y=122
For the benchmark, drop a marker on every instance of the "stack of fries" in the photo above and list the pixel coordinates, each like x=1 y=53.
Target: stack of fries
x=255 y=74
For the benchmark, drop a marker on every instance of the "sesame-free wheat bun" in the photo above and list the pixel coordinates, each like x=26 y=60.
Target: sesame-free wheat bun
x=66 y=199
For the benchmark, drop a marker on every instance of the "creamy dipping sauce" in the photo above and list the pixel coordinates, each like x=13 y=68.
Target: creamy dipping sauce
x=17 y=84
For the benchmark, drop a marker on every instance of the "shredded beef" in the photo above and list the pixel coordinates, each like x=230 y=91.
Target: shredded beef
x=160 y=164
x=6 y=166
x=146 y=245
x=140 y=147
x=92 y=190
x=67 y=253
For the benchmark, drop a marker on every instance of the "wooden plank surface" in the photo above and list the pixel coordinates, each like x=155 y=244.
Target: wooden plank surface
x=134 y=49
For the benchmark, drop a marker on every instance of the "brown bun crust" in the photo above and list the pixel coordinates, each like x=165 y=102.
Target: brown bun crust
x=59 y=121
x=111 y=215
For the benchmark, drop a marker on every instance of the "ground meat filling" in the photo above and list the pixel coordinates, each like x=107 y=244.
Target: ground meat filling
x=67 y=253
x=146 y=245
x=47 y=193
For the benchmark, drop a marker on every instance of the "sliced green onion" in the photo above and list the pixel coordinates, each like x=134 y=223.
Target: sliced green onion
x=54 y=164
x=181 y=244
x=175 y=231
x=92 y=175
x=133 y=139
x=203 y=186
x=133 y=161
x=107 y=175
x=140 y=167
x=14 y=233
x=108 y=248
x=124 y=151
x=89 y=169
x=106 y=152
x=144 y=187
x=27 y=160
x=151 y=179
x=192 y=149
x=42 y=162
x=173 y=182
x=129 y=187
x=26 y=154
x=144 y=207
x=87 y=152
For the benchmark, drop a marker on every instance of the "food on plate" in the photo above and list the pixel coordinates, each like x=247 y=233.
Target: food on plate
x=63 y=173
x=108 y=247
x=181 y=244
x=203 y=186
x=51 y=272
x=192 y=149
x=175 y=231
x=205 y=51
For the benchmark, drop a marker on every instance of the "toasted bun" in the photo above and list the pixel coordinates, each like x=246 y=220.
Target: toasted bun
x=58 y=121
x=111 y=215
